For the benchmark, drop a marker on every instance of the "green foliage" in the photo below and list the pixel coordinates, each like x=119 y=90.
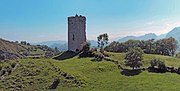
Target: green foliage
x=102 y=41
x=178 y=55
x=23 y=42
x=163 y=46
x=158 y=63
x=134 y=57
x=86 y=46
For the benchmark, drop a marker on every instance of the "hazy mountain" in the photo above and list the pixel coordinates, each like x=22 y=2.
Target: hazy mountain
x=61 y=45
x=50 y=43
x=161 y=36
x=175 y=33
x=144 y=37
x=93 y=43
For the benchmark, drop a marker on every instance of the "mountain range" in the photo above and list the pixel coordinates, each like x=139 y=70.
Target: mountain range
x=175 y=33
x=143 y=37
x=63 y=45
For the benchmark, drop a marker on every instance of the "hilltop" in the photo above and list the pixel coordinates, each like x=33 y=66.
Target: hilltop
x=13 y=50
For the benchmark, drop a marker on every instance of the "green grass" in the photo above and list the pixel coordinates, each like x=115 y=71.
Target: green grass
x=169 y=61
x=6 y=65
x=96 y=76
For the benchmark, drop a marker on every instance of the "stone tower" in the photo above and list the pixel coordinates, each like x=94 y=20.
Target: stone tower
x=76 y=32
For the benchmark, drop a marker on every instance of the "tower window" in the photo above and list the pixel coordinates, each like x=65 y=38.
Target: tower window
x=73 y=36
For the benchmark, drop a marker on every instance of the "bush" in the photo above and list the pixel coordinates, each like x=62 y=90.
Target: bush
x=178 y=55
x=159 y=64
x=86 y=54
x=13 y=64
x=98 y=58
x=54 y=84
x=134 y=57
x=178 y=70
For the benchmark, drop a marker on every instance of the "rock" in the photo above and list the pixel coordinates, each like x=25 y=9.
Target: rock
x=55 y=84
x=7 y=56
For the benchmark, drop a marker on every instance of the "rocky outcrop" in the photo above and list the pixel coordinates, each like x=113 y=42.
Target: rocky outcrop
x=8 y=56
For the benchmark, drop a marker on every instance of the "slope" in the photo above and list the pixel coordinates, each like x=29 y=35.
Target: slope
x=12 y=50
x=82 y=74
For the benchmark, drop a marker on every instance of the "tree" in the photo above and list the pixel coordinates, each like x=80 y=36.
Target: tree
x=102 y=41
x=85 y=52
x=23 y=42
x=16 y=42
x=159 y=64
x=172 y=45
x=85 y=46
x=28 y=43
x=134 y=57
x=149 y=46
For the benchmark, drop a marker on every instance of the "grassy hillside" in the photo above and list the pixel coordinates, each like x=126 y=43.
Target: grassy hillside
x=84 y=74
x=10 y=47
x=170 y=61
x=12 y=50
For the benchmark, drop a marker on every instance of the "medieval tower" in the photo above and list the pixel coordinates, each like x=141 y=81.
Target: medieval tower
x=76 y=32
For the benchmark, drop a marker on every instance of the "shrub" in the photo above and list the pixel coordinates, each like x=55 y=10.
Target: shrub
x=178 y=55
x=178 y=70
x=98 y=58
x=134 y=57
x=93 y=49
x=54 y=84
x=159 y=64
x=13 y=64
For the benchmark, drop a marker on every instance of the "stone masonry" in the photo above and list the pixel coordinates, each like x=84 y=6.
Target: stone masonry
x=76 y=32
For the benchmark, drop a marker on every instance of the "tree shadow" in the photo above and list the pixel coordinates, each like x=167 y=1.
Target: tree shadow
x=156 y=70
x=55 y=84
x=128 y=72
x=66 y=55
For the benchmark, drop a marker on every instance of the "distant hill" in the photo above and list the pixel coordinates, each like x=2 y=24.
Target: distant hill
x=175 y=33
x=50 y=43
x=62 y=45
x=93 y=43
x=144 y=37
x=161 y=36
x=11 y=47
x=12 y=50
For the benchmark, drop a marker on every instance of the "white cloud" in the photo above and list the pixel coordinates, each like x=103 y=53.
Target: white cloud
x=150 y=23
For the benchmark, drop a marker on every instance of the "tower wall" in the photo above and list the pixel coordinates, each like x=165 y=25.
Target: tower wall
x=76 y=32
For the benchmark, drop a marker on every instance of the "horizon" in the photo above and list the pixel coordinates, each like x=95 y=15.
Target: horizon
x=46 y=20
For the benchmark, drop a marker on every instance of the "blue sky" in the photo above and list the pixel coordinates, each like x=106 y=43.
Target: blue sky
x=45 y=20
